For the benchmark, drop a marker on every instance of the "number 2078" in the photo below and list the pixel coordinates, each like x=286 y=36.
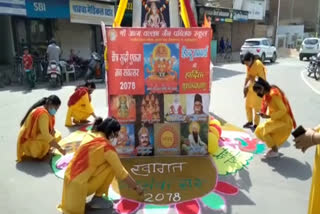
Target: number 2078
x=127 y=85
x=171 y=197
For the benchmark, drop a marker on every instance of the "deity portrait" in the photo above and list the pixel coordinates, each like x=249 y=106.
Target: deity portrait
x=150 y=108
x=161 y=67
x=123 y=108
x=154 y=12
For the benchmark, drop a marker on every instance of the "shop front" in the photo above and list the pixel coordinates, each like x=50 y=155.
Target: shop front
x=86 y=17
x=9 y=8
x=38 y=27
x=226 y=23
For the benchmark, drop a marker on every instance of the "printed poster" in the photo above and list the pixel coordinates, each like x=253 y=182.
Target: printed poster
x=150 y=108
x=159 y=88
x=144 y=145
x=194 y=138
x=155 y=13
x=125 y=142
x=167 y=139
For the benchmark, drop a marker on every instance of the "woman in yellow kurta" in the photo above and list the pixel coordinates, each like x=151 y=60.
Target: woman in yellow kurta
x=93 y=168
x=309 y=139
x=280 y=121
x=79 y=105
x=255 y=68
x=37 y=134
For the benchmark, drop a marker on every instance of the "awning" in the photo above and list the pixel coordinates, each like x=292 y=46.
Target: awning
x=218 y=14
x=13 y=7
x=89 y=12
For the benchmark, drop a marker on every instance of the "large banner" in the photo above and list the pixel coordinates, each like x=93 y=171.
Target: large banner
x=159 y=89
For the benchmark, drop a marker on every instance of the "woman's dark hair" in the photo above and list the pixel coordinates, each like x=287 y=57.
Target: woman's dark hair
x=248 y=57
x=108 y=126
x=87 y=85
x=51 y=100
x=261 y=83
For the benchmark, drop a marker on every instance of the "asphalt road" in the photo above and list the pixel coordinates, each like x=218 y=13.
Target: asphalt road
x=275 y=187
x=279 y=186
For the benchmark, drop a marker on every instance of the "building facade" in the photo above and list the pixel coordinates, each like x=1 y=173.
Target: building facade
x=235 y=20
x=75 y=24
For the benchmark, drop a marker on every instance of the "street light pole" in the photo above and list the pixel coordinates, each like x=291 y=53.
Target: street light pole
x=277 y=26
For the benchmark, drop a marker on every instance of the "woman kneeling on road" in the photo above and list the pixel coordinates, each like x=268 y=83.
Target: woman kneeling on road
x=93 y=168
x=37 y=134
x=79 y=105
x=280 y=121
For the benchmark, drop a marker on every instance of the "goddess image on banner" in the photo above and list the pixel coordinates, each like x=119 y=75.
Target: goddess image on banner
x=155 y=13
x=124 y=144
x=123 y=108
x=194 y=138
x=151 y=108
x=161 y=67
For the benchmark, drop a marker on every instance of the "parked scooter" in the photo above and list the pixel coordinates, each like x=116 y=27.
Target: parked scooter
x=54 y=74
x=95 y=70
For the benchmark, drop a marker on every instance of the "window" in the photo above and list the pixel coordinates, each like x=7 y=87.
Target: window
x=251 y=43
x=311 y=41
x=265 y=43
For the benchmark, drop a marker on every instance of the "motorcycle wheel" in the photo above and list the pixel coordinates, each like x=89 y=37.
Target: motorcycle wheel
x=309 y=70
x=317 y=74
x=88 y=74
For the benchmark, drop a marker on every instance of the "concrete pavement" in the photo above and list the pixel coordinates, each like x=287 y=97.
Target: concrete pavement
x=275 y=187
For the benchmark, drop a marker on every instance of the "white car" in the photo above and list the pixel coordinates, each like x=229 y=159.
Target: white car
x=309 y=47
x=260 y=47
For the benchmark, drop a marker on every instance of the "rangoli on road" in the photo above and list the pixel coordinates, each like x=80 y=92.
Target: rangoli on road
x=170 y=183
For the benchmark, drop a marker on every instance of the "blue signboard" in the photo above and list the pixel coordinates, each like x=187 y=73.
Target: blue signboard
x=48 y=9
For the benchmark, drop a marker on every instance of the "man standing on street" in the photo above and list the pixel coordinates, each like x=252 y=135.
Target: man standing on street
x=53 y=51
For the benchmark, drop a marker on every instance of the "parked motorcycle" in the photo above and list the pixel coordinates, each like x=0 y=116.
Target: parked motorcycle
x=54 y=74
x=95 y=68
x=80 y=64
x=314 y=67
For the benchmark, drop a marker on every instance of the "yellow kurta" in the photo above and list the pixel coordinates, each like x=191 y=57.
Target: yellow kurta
x=80 y=111
x=253 y=102
x=38 y=146
x=314 y=201
x=276 y=130
x=102 y=167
